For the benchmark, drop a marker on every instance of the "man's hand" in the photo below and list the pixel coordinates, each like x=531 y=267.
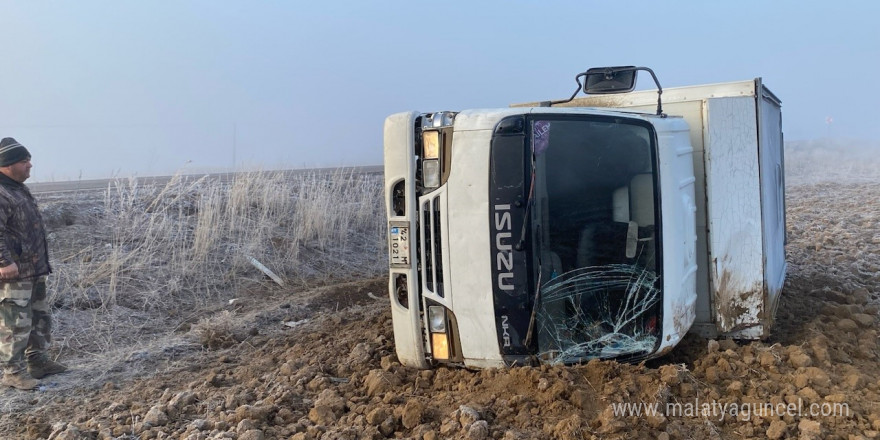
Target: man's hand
x=9 y=272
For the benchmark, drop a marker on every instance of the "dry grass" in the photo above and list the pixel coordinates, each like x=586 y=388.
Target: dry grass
x=144 y=261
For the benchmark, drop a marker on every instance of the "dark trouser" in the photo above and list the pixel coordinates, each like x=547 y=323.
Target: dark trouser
x=25 y=323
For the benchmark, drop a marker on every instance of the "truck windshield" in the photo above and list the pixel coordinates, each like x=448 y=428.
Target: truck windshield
x=596 y=235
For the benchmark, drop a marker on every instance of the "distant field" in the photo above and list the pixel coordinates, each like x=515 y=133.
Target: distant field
x=80 y=185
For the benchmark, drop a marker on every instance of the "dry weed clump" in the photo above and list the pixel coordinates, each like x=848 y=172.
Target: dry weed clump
x=176 y=249
x=218 y=331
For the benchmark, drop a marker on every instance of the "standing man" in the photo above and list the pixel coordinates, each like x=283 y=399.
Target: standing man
x=25 y=319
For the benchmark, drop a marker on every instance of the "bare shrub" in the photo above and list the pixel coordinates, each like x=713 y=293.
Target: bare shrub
x=218 y=331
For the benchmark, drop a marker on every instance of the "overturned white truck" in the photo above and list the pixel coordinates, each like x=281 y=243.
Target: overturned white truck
x=606 y=226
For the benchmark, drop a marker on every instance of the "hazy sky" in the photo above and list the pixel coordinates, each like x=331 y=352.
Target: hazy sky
x=100 y=88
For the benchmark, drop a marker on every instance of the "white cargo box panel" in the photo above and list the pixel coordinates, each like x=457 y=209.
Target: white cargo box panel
x=736 y=132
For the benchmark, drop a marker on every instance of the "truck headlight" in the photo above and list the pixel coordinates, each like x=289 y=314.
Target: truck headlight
x=431 y=173
x=431 y=145
x=431 y=158
x=437 y=319
x=439 y=345
x=439 y=331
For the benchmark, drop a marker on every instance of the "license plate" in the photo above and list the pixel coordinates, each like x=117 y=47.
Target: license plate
x=399 y=247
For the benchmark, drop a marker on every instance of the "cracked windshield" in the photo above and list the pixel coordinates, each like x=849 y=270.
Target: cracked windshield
x=596 y=234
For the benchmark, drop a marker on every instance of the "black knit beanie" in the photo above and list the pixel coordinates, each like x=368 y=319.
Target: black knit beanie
x=12 y=152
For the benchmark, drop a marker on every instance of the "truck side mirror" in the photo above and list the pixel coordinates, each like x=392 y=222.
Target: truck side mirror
x=605 y=80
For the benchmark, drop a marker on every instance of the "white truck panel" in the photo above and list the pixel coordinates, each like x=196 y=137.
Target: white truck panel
x=400 y=165
x=733 y=197
x=468 y=189
x=772 y=196
x=677 y=214
x=481 y=119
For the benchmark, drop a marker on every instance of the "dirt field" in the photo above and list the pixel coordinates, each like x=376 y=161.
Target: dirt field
x=318 y=363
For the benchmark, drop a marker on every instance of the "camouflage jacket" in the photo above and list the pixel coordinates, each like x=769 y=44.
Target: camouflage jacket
x=22 y=236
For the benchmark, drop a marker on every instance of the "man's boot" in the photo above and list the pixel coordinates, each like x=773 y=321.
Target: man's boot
x=21 y=380
x=42 y=366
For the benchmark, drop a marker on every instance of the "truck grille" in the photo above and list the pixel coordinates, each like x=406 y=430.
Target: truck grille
x=430 y=249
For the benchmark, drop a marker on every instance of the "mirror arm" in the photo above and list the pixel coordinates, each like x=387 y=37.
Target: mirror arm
x=659 y=89
x=577 y=79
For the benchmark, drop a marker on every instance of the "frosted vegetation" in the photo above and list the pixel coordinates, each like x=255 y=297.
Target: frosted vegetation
x=144 y=260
